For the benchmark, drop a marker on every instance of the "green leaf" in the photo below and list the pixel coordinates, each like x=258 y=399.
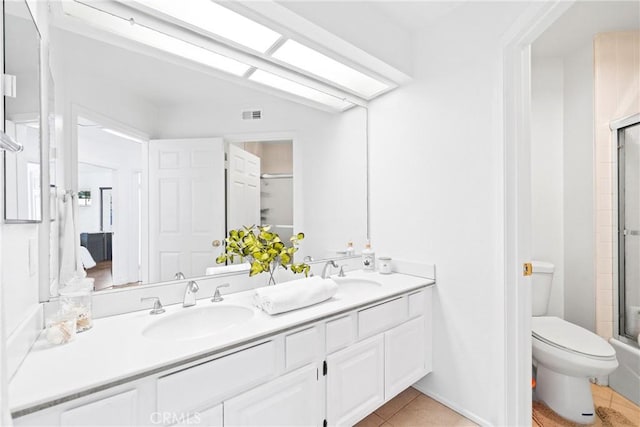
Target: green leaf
x=221 y=259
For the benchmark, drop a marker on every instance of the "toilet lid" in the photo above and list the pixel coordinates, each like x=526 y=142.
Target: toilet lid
x=560 y=333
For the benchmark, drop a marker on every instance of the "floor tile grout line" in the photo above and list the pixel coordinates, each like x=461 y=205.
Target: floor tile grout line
x=399 y=410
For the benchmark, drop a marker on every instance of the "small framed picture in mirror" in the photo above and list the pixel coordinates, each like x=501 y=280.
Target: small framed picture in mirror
x=84 y=198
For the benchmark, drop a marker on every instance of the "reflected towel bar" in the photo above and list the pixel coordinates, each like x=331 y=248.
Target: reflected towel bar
x=9 y=144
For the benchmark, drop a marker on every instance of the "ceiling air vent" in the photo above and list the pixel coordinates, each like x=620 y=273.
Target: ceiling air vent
x=252 y=115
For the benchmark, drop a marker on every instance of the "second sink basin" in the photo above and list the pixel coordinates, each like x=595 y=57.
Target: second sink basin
x=355 y=283
x=198 y=322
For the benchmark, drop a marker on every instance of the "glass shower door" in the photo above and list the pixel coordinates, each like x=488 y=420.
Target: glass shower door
x=629 y=231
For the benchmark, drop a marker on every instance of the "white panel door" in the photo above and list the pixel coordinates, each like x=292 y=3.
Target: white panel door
x=291 y=400
x=404 y=355
x=211 y=417
x=243 y=189
x=355 y=382
x=186 y=206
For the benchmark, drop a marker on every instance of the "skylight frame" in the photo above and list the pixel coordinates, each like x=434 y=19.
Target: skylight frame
x=160 y=24
x=153 y=38
x=220 y=22
x=299 y=89
x=315 y=63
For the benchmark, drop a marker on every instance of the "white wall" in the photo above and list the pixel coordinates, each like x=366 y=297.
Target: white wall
x=437 y=196
x=579 y=188
x=547 y=173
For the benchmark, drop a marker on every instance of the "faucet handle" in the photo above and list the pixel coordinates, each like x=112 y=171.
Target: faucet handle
x=157 y=305
x=341 y=272
x=217 y=297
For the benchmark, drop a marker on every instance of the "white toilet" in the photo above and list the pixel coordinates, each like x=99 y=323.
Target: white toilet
x=565 y=355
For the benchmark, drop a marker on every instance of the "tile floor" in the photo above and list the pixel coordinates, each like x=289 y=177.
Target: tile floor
x=609 y=398
x=412 y=408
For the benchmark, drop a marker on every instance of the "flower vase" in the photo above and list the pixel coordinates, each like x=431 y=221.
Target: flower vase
x=272 y=270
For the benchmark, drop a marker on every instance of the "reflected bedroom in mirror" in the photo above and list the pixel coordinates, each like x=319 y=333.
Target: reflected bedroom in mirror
x=166 y=154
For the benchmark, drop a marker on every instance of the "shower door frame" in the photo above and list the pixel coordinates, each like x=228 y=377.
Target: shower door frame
x=619 y=321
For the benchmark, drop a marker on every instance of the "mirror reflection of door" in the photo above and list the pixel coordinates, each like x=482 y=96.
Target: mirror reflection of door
x=106 y=209
x=110 y=167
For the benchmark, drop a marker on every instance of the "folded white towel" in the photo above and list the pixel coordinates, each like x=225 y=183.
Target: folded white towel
x=231 y=268
x=294 y=294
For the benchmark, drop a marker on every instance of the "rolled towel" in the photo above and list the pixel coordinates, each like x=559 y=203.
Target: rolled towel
x=294 y=294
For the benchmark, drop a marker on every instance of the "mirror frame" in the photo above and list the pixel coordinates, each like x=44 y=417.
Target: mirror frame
x=43 y=156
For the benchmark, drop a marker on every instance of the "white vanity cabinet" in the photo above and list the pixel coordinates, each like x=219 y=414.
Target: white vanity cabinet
x=332 y=371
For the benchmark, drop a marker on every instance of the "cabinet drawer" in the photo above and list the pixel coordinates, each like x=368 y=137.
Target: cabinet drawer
x=416 y=304
x=301 y=347
x=381 y=317
x=210 y=382
x=115 y=410
x=339 y=333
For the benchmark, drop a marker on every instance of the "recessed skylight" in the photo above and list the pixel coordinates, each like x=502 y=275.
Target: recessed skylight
x=298 y=89
x=153 y=38
x=217 y=20
x=316 y=63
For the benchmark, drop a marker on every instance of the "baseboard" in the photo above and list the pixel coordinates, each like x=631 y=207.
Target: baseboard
x=21 y=340
x=446 y=402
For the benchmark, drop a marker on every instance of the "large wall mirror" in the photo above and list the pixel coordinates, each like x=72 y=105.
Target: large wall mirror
x=22 y=192
x=165 y=157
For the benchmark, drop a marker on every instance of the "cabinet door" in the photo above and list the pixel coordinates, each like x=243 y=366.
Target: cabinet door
x=404 y=352
x=355 y=382
x=211 y=417
x=291 y=400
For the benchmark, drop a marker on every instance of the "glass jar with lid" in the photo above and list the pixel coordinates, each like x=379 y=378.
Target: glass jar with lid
x=76 y=298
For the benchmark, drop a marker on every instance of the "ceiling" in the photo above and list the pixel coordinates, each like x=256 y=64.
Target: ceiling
x=582 y=21
x=414 y=16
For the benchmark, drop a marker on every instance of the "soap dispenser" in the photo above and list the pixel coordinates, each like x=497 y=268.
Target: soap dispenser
x=368 y=258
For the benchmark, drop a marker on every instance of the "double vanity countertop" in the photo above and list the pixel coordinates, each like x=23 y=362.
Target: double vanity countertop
x=115 y=350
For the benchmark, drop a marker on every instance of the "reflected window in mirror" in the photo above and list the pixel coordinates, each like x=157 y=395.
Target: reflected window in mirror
x=23 y=189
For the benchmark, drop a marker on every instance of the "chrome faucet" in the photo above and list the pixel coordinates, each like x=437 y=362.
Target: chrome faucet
x=325 y=269
x=179 y=276
x=190 y=294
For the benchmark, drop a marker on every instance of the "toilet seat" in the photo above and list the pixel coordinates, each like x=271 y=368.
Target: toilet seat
x=566 y=336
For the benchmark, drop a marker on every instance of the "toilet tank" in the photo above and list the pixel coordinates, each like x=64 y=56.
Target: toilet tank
x=541 y=286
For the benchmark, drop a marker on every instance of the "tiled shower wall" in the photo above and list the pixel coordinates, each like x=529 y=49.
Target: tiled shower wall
x=617 y=95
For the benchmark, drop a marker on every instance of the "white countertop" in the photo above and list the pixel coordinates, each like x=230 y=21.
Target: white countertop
x=115 y=349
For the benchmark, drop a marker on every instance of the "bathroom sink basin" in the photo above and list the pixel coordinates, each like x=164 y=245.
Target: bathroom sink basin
x=198 y=322
x=356 y=284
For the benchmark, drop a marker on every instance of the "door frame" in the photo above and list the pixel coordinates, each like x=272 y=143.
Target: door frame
x=516 y=132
